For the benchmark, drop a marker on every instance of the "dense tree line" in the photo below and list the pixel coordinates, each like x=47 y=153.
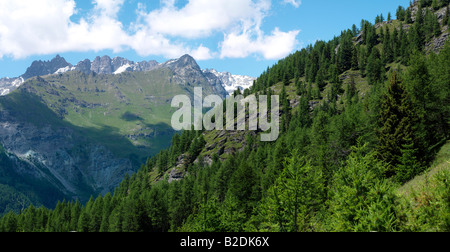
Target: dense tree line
x=335 y=166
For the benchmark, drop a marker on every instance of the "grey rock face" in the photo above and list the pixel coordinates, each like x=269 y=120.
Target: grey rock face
x=176 y=174
x=106 y=65
x=144 y=66
x=59 y=157
x=102 y=65
x=437 y=43
x=84 y=66
x=186 y=67
x=187 y=72
x=39 y=68
x=118 y=62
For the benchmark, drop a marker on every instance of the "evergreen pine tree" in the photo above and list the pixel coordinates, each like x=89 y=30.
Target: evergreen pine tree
x=286 y=109
x=244 y=184
x=404 y=46
x=286 y=80
x=345 y=52
x=377 y=19
x=362 y=61
x=355 y=30
x=387 y=46
x=299 y=87
x=395 y=45
x=320 y=78
x=400 y=14
x=309 y=92
x=408 y=165
x=371 y=37
x=319 y=140
x=83 y=222
x=396 y=124
x=350 y=91
x=296 y=196
x=408 y=16
x=96 y=213
x=354 y=64
x=426 y=102
x=436 y=26
x=360 y=200
x=375 y=68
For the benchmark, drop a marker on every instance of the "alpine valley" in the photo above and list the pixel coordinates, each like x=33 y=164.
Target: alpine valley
x=74 y=131
x=363 y=144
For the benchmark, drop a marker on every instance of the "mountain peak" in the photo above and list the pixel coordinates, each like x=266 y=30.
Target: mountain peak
x=188 y=60
x=185 y=62
x=102 y=65
x=187 y=57
x=39 y=68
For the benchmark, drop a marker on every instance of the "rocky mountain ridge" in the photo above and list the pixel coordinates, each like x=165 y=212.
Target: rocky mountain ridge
x=118 y=65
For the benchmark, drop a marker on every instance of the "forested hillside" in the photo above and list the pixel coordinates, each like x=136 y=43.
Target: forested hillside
x=364 y=147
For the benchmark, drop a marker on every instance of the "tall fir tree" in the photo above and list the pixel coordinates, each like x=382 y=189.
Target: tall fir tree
x=427 y=104
x=396 y=123
x=388 y=53
x=408 y=16
x=296 y=196
x=375 y=67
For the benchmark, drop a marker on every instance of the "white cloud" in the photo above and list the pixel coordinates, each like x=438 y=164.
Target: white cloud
x=239 y=20
x=201 y=53
x=274 y=46
x=30 y=27
x=295 y=3
x=108 y=8
x=200 y=18
x=36 y=27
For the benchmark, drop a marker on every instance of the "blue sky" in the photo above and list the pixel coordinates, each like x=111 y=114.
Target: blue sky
x=238 y=36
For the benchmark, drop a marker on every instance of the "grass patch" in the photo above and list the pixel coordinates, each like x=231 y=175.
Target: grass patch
x=440 y=164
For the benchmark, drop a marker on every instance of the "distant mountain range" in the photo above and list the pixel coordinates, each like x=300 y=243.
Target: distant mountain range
x=72 y=131
x=232 y=82
x=117 y=65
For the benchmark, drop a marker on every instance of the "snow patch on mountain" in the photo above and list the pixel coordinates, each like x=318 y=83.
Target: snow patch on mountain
x=7 y=85
x=123 y=69
x=64 y=69
x=232 y=82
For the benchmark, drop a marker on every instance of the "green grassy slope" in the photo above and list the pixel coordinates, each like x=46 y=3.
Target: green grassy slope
x=427 y=197
x=133 y=106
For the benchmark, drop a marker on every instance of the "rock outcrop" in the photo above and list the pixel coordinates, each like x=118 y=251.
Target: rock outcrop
x=39 y=68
